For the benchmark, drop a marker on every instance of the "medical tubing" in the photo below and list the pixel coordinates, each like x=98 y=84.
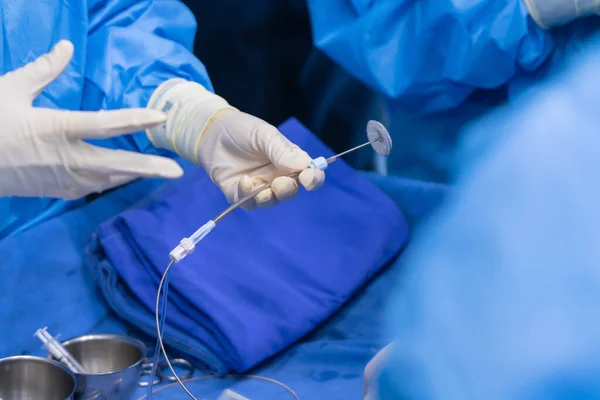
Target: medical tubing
x=159 y=326
x=319 y=163
x=247 y=197
x=207 y=377
x=163 y=318
x=333 y=158
x=160 y=318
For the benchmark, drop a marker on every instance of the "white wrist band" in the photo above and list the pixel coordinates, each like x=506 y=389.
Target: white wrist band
x=190 y=108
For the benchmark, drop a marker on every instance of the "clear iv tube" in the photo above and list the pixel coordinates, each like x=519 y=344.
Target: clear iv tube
x=160 y=325
x=247 y=197
x=164 y=285
x=207 y=377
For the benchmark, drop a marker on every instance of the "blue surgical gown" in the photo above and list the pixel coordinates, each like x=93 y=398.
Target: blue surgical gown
x=430 y=55
x=123 y=50
x=437 y=64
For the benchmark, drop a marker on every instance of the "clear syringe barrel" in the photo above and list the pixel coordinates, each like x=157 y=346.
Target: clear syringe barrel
x=58 y=351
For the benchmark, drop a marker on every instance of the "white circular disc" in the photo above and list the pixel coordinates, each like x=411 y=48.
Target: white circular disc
x=376 y=131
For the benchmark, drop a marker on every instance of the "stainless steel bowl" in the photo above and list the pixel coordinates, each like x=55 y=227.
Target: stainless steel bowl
x=113 y=365
x=27 y=378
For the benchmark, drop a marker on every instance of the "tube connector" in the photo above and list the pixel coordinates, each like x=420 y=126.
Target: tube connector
x=318 y=163
x=202 y=231
x=187 y=245
x=183 y=249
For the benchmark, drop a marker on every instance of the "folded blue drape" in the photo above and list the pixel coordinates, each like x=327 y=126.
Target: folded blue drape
x=262 y=279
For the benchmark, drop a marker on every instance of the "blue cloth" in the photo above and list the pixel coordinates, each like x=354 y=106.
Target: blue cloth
x=502 y=289
x=53 y=288
x=328 y=364
x=261 y=280
x=430 y=55
x=123 y=50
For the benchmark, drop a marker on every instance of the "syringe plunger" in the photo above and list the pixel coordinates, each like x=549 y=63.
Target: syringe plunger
x=58 y=351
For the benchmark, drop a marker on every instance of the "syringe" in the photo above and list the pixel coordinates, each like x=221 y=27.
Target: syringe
x=58 y=351
x=378 y=137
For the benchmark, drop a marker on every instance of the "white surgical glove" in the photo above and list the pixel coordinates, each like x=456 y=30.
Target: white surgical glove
x=42 y=152
x=239 y=151
x=551 y=13
x=372 y=371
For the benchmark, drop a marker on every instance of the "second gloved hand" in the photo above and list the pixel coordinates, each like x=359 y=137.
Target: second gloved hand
x=42 y=150
x=238 y=151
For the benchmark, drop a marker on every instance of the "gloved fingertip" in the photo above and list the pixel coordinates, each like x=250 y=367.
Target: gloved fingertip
x=147 y=117
x=264 y=196
x=293 y=160
x=168 y=168
x=266 y=199
x=311 y=179
x=39 y=73
x=63 y=46
x=144 y=165
x=60 y=55
x=318 y=180
x=245 y=186
x=284 y=188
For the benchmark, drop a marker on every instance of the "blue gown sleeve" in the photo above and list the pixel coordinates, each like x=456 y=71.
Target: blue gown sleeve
x=429 y=55
x=132 y=47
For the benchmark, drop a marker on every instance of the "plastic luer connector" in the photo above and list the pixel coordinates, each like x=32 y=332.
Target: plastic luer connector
x=319 y=163
x=188 y=245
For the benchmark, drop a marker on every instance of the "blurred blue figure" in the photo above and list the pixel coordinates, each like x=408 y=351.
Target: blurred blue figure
x=123 y=50
x=502 y=288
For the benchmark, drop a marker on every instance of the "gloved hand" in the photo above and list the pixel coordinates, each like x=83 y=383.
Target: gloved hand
x=241 y=152
x=42 y=153
x=238 y=151
x=372 y=371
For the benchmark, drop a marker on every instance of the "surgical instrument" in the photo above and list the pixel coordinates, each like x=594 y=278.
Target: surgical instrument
x=58 y=351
